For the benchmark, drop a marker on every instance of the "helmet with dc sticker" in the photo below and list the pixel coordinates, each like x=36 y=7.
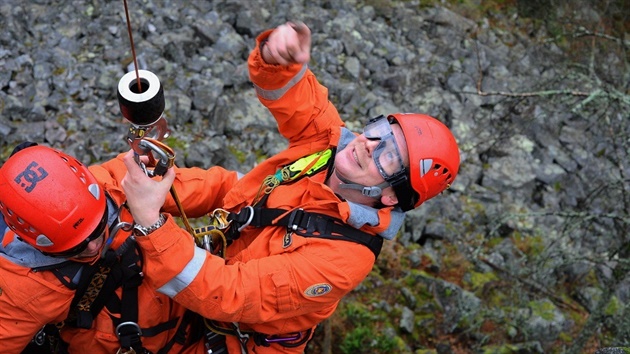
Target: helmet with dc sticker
x=51 y=200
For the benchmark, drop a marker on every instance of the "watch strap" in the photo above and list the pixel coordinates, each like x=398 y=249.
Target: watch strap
x=140 y=230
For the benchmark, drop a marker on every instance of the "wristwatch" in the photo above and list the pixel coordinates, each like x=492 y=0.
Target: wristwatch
x=140 y=230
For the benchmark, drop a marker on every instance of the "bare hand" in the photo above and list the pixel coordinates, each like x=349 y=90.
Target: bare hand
x=145 y=196
x=287 y=44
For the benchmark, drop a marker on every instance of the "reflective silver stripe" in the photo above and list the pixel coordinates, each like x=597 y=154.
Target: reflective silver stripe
x=183 y=279
x=273 y=95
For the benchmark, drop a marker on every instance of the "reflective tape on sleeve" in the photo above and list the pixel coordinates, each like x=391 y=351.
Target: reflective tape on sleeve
x=273 y=95
x=183 y=279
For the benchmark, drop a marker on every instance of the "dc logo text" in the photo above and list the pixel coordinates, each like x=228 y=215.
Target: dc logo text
x=28 y=178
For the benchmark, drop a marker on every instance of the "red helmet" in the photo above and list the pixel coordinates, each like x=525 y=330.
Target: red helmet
x=433 y=159
x=51 y=200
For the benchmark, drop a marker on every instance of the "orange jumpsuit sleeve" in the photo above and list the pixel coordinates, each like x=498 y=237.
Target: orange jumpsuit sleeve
x=295 y=98
x=28 y=301
x=200 y=191
x=261 y=290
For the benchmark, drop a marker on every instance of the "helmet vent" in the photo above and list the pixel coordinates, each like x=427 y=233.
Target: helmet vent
x=448 y=177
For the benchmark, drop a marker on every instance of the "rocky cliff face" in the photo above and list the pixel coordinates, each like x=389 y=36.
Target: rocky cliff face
x=527 y=252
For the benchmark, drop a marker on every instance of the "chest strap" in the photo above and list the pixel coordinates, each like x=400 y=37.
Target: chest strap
x=96 y=289
x=303 y=223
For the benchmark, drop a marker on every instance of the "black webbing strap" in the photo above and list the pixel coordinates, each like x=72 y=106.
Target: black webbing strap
x=65 y=272
x=128 y=331
x=306 y=224
x=180 y=334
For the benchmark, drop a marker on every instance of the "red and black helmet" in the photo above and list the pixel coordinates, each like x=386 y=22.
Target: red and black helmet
x=51 y=200
x=433 y=159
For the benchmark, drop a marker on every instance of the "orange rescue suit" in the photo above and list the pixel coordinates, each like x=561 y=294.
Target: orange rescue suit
x=270 y=283
x=29 y=300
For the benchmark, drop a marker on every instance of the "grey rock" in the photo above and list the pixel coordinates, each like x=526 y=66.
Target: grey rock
x=540 y=166
x=612 y=350
x=407 y=321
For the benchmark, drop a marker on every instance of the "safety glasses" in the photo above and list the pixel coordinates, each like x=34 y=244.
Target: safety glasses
x=386 y=154
x=99 y=231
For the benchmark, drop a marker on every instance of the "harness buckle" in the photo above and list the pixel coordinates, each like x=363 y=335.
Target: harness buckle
x=243 y=337
x=288 y=338
x=40 y=337
x=295 y=219
x=250 y=217
x=134 y=325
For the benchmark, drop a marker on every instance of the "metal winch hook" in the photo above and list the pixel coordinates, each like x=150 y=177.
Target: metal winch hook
x=165 y=156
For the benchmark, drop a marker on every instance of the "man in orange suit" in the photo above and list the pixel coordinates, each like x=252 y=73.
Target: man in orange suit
x=70 y=276
x=306 y=224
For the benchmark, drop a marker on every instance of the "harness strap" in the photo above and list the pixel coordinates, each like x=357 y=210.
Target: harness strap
x=180 y=336
x=306 y=224
x=128 y=331
x=96 y=290
x=67 y=272
x=290 y=340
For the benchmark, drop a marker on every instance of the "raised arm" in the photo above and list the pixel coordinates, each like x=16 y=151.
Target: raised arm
x=284 y=84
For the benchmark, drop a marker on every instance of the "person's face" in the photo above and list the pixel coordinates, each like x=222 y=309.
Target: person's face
x=93 y=248
x=357 y=162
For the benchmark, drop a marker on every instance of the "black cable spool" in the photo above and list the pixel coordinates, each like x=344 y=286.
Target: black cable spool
x=143 y=104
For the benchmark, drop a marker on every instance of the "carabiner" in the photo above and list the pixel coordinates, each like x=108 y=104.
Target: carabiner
x=166 y=156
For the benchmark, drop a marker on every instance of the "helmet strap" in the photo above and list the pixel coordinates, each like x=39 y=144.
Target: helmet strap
x=368 y=191
x=407 y=197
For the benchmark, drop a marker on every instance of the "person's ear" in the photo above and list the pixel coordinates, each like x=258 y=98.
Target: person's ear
x=389 y=199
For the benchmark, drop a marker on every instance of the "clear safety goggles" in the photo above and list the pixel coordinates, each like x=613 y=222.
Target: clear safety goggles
x=386 y=154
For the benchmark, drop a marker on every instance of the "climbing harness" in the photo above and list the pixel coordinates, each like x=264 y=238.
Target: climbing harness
x=299 y=221
x=213 y=238
x=305 y=224
x=226 y=227
x=95 y=286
